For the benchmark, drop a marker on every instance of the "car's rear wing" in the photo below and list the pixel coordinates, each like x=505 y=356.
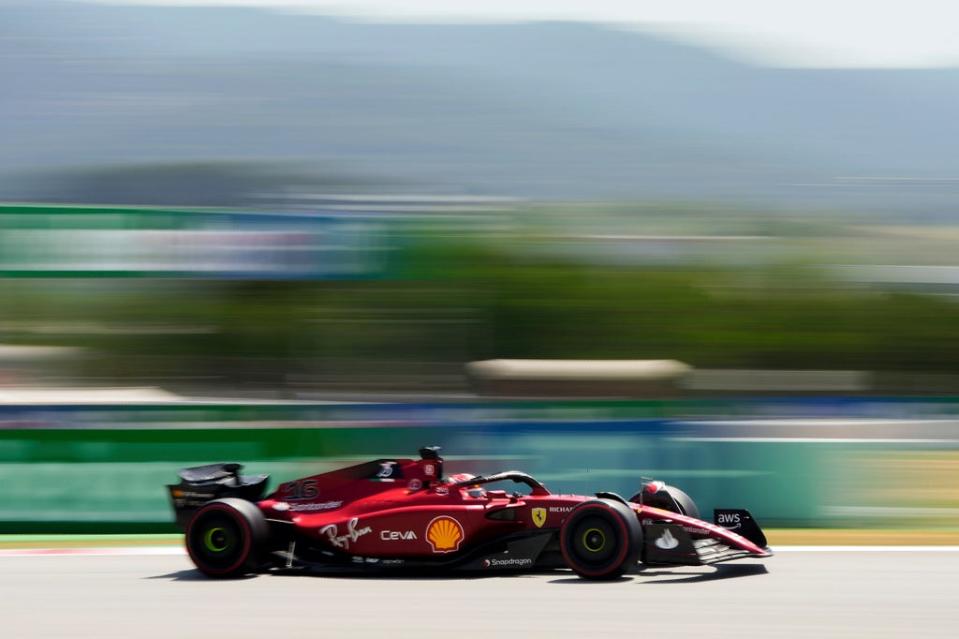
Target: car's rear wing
x=201 y=484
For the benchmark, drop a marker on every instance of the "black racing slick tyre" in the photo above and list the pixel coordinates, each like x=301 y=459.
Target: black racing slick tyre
x=226 y=537
x=601 y=539
x=669 y=498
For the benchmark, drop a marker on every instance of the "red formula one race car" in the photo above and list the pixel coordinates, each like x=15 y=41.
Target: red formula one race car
x=392 y=514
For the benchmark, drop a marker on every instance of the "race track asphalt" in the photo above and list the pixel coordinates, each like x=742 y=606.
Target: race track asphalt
x=794 y=594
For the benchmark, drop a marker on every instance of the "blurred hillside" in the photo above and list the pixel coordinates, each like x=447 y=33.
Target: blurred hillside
x=547 y=110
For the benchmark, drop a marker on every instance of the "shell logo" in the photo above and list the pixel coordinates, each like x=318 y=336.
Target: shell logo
x=444 y=534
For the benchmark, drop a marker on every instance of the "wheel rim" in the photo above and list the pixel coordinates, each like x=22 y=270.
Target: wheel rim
x=593 y=540
x=217 y=542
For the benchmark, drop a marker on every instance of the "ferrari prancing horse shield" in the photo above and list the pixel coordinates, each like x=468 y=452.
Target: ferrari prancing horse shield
x=539 y=517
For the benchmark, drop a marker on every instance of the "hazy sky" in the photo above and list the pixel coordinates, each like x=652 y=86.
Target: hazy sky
x=888 y=33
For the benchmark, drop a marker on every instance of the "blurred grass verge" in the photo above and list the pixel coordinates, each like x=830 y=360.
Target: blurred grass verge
x=860 y=537
x=776 y=537
x=88 y=541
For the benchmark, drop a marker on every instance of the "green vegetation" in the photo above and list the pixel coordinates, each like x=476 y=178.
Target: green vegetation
x=452 y=304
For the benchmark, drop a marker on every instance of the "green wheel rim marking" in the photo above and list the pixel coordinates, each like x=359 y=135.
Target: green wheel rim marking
x=602 y=543
x=209 y=542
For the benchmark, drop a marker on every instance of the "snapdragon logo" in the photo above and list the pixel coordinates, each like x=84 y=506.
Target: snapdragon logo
x=512 y=562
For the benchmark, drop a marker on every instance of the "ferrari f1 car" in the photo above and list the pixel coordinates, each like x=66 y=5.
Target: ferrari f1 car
x=392 y=514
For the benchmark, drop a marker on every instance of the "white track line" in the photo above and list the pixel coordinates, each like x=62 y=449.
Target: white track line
x=865 y=549
x=816 y=440
x=145 y=551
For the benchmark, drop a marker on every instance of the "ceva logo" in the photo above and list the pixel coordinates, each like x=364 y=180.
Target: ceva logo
x=397 y=535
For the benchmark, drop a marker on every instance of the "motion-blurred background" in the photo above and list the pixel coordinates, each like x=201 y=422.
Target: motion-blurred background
x=595 y=243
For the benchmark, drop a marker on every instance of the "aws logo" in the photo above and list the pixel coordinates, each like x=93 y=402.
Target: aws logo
x=444 y=534
x=732 y=521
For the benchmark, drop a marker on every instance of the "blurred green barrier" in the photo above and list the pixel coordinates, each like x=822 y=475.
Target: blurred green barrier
x=112 y=480
x=103 y=468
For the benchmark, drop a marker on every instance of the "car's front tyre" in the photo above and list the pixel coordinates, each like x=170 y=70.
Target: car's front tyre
x=601 y=539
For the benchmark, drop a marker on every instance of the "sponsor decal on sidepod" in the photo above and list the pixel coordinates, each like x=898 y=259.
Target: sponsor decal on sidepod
x=444 y=534
x=353 y=532
x=397 y=535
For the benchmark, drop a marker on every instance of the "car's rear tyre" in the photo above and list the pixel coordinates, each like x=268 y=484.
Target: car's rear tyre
x=669 y=498
x=225 y=538
x=601 y=539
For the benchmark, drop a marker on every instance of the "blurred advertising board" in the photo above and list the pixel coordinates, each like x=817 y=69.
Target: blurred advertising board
x=54 y=241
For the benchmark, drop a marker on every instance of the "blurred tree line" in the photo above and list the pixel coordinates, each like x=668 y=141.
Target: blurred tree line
x=456 y=302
